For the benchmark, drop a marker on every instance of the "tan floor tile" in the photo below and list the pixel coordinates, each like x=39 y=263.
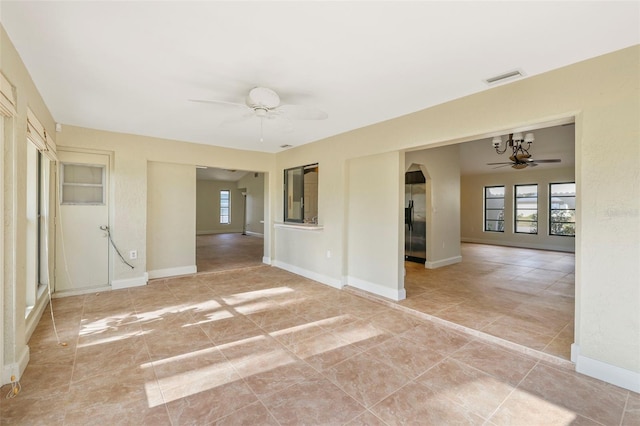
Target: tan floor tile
x=163 y=343
x=362 y=334
x=411 y=358
x=469 y=314
x=503 y=364
x=366 y=419
x=507 y=330
x=109 y=356
x=192 y=372
x=632 y=410
x=290 y=333
x=477 y=392
x=366 y=379
x=113 y=388
x=252 y=414
x=41 y=380
x=435 y=337
x=415 y=404
x=279 y=375
x=314 y=401
x=324 y=350
x=207 y=406
x=580 y=394
x=226 y=330
x=26 y=409
x=560 y=346
x=525 y=409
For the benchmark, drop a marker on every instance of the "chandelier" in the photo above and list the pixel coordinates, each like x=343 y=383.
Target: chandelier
x=518 y=145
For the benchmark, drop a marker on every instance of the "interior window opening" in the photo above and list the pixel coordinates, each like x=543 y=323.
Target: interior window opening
x=301 y=194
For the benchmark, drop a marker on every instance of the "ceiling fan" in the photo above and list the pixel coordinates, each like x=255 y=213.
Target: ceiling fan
x=520 y=157
x=264 y=103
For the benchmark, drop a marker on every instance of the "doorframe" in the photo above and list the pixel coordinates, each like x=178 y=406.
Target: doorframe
x=110 y=194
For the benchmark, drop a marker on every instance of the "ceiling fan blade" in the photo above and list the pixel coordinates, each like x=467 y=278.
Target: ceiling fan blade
x=281 y=122
x=302 y=112
x=209 y=101
x=239 y=119
x=503 y=165
x=552 y=160
x=495 y=164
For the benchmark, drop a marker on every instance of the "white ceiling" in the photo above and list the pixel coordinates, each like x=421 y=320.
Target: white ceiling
x=212 y=173
x=132 y=66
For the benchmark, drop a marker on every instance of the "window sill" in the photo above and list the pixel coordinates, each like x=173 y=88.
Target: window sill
x=301 y=226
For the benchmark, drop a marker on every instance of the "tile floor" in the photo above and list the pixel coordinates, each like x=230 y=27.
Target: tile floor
x=223 y=252
x=520 y=295
x=261 y=346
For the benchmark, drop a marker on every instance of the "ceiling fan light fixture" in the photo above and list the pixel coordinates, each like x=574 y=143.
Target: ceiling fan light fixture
x=528 y=138
x=263 y=97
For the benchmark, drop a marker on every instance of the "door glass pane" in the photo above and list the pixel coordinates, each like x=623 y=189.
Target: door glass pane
x=82 y=184
x=82 y=173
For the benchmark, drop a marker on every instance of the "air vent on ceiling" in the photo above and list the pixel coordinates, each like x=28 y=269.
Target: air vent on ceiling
x=286 y=146
x=511 y=75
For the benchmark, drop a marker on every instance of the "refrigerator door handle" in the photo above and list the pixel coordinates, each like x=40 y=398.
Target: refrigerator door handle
x=408 y=215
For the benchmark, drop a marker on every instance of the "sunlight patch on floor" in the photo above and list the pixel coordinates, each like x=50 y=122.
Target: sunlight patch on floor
x=248 y=296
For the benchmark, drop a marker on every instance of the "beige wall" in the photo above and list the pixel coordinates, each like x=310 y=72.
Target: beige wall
x=171 y=219
x=472 y=196
x=253 y=183
x=376 y=250
x=208 y=207
x=16 y=327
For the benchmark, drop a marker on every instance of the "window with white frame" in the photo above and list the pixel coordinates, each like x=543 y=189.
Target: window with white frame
x=494 y=208
x=225 y=207
x=37 y=215
x=562 y=209
x=526 y=209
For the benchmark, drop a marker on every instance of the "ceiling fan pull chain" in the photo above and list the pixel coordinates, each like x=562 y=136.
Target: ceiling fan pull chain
x=261 y=134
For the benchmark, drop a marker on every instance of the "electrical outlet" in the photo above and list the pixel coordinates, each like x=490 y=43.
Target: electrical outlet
x=133 y=254
x=328 y=254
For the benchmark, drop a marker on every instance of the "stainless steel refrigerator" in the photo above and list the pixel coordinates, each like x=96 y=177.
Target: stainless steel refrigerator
x=415 y=217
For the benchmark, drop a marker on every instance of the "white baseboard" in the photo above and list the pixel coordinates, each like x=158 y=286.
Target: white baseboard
x=130 y=282
x=255 y=234
x=389 y=293
x=67 y=293
x=219 y=231
x=336 y=283
x=621 y=377
x=267 y=260
x=172 y=272
x=443 y=262
x=15 y=368
x=517 y=244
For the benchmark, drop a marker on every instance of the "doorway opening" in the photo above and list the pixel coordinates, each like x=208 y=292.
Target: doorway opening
x=415 y=215
x=230 y=206
x=513 y=282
